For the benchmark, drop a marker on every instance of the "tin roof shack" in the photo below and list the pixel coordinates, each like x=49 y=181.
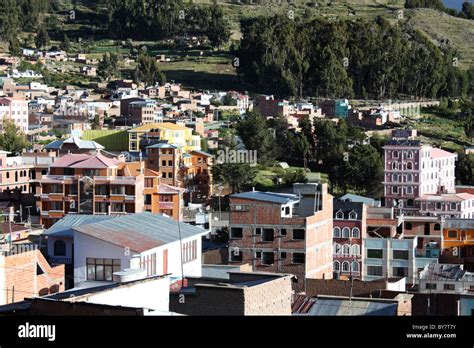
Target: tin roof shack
x=259 y=293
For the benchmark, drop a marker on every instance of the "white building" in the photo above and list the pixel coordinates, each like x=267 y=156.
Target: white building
x=390 y=257
x=15 y=109
x=446 y=278
x=144 y=240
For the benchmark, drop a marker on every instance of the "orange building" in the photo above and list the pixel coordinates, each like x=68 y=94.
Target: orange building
x=458 y=242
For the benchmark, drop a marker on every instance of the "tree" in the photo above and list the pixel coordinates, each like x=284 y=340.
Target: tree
x=238 y=176
x=9 y=20
x=108 y=66
x=12 y=139
x=254 y=132
x=218 y=32
x=14 y=47
x=465 y=169
x=96 y=122
x=66 y=43
x=148 y=71
x=42 y=38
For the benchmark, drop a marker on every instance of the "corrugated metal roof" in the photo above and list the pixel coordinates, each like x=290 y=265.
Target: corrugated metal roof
x=64 y=226
x=139 y=232
x=336 y=306
x=279 y=198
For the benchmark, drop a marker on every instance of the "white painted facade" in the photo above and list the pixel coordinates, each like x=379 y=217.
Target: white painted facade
x=90 y=247
x=150 y=294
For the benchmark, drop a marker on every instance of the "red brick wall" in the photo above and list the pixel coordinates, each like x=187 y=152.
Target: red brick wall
x=21 y=274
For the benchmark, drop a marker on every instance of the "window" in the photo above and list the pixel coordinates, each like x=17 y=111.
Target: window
x=410 y=203
x=346 y=249
x=345 y=266
x=267 y=235
x=336 y=266
x=400 y=271
x=408 y=226
x=400 y=254
x=336 y=232
x=375 y=271
x=336 y=248
x=239 y=207
x=236 y=232
x=352 y=215
x=394 y=189
x=452 y=234
x=59 y=248
x=298 y=258
x=258 y=231
x=236 y=255
x=283 y=255
x=449 y=287
x=438 y=205
x=339 y=215
x=189 y=251
x=394 y=166
x=409 y=165
x=102 y=269
x=430 y=286
x=409 y=190
x=298 y=234
x=437 y=227
x=163 y=163
x=355 y=232
x=258 y=254
x=453 y=206
x=268 y=258
x=355 y=249
x=355 y=267
x=345 y=232
x=409 y=177
x=283 y=231
x=374 y=253
x=395 y=154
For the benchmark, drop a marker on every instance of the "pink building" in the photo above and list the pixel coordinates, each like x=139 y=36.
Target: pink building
x=15 y=109
x=14 y=174
x=420 y=179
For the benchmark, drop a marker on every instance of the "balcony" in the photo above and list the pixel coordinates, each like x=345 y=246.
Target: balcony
x=165 y=205
x=59 y=260
x=117 y=180
x=57 y=179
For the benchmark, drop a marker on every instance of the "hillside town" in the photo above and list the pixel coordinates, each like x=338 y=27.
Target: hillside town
x=125 y=192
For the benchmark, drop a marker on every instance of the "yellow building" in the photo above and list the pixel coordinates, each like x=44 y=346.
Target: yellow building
x=458 y=233
x=175 y=134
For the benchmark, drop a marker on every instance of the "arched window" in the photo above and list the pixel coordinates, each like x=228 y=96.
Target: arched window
x=410 y=154
x=345 y=232
x=355 y=232
x=438 y=205
x=395 y=177
x=59 y=248
x=355 y=266
x=394 y=189
x=394 y=166
x=356 y=249
x=395 y=154
x=345 y=266
x=409 y=177
x=352 y=215
x=16 y=176
x=336 y=266
x=336 y=249
x=409 y=165
x=336 y=232
x=409 y=190
x=339 y=215
x=346 y=249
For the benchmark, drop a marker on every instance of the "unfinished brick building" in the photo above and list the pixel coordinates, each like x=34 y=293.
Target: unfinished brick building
x=283 y=233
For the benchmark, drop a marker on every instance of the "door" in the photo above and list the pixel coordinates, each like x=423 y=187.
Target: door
x=165 y=261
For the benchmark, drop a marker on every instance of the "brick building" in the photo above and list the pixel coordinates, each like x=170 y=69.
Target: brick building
x=241 y=293
x=283 y=233
x=27 y=274
x=349 y=229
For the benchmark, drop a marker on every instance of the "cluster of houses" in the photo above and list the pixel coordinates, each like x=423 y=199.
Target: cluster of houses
x=98 y=221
